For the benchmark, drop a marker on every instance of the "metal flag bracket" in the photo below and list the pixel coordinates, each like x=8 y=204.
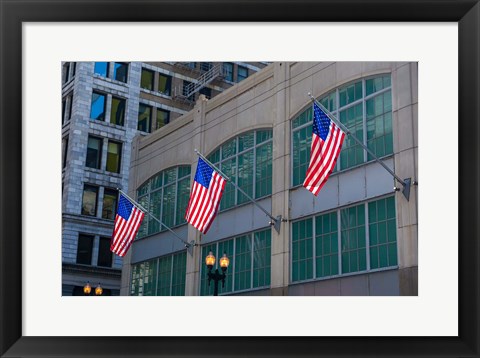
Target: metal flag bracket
x=406 y=183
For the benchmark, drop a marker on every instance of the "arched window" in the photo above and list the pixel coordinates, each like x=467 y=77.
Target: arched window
x=247 y=160
x=365 y=108
x=166 y=196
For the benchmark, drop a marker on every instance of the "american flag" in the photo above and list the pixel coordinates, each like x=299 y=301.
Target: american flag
x=327 y=140
x=127 y=223
x=207 y=190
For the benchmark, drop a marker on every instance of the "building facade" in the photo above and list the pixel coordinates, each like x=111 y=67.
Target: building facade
x=357 y=237
x=104 y=105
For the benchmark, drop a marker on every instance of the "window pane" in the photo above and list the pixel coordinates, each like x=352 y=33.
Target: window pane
x=84 y=249
x=302 y=139
x=94 y=152
x=104 y=253
x=353 y=243
x=383 y=233
x=263 y=170
x=301 y=242
x=144 y=118
x=245 y=175
x=226 y=247
x=146 y=81
x=114 y=155
x=97 y=110
x=243 y=258
x=163 y=117
x=164 y=276
x=101 y=68
x=242 y=73
x=352 y=153
x=326 y=245
x=89 y=202
x=179 y=273
x=117 y=115
x=164 y=84
x=120 y=71
x=168 y=206
x=183 y=195
x=109 y=204
x=228 y=71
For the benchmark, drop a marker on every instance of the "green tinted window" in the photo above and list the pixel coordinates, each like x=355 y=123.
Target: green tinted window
x=382 y=233
x=350 y=93
x=261 y=258
x=302 y=250
x=243 y=262
x=326 y=245
x=379 y=125
x=247 y=161
x=352 y=152
x=179 y=271
x=302 y=141
x=353 y=243
x=166 y=195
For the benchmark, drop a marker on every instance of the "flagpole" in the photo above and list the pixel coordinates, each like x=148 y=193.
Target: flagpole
x=405 y=183
x=187 y=245
x=276 y=221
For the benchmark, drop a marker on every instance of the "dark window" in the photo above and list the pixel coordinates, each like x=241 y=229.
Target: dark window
x=120 y=71
x=163 y=117
x=74 y=68
x=191 y=64
x=228 y=71
x=144 y=118
x=65 y=151
x=101 y=68
x=66 y=72
x=207 y=92
x=104 y=253
x=242 y=73
x=114 y=155
x=109 y=204
x=117 y=115
x=98 y=106
x=89 y=201
x=70 y=106
x=84 y=249
x=64 y=106
x=94 y=152
x=164 y=84
x=147 y=79
x=205 y=66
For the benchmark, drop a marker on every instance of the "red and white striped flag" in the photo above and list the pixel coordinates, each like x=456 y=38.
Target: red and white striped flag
x=327 y=140
x=127 y=223
x=207 y=190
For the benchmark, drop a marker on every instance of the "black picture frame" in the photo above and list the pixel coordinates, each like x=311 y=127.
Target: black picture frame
x=14 y=13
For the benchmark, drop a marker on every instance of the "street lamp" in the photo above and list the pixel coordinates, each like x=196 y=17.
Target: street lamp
x=98 y=290
x=87 y=289
x=216 y=276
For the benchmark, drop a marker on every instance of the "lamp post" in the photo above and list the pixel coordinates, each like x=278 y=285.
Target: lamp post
x=216 y=276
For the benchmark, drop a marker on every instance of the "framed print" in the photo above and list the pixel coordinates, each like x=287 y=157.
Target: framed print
x=44 y=43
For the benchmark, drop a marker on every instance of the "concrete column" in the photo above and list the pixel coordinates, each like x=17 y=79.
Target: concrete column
x=192 y=280
x=405 y=101
x=280 y=271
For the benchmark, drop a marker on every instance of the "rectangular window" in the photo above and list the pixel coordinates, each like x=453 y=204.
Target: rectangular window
x=242 y=73
x=66 y=72
x=164 y=84
x=330 y=260
x=379 y=124
x=84 y=249
x=326 y=245
x=101 y=68
x=146 y=81
x=164 y=276
x=243 y=262
x=302 y=250
x=163 y=117
x=263 y=170
x=262 y=254
x=117 y=114
x=228 y=71
x=94 y=152
x=89 y=201
x=354 y=253
x=109 y=204
x=114 y=155
x=120 y=71
x=64 y=107
x=70 y=106
x=97 y=110
x=74 y=69
x=105 y=256
x=183 y=194
x=144 y=118
x=64 y=151
x=382 y=233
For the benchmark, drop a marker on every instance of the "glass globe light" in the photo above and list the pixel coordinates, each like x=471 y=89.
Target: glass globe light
x=224 y=262
x=210 y=260
x=98 y=290
x=87 y=289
